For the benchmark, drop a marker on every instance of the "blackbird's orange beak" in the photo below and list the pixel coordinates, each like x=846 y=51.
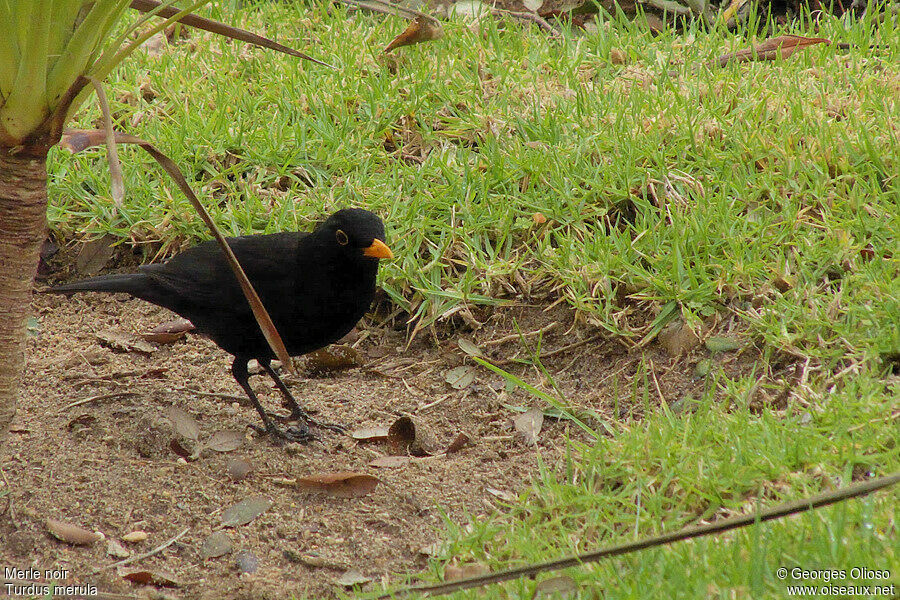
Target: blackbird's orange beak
x=378 y=249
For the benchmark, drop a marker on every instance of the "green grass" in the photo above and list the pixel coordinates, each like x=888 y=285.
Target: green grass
x=670 y=189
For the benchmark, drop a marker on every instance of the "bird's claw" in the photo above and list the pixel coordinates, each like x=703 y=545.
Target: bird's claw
x=278 y=436
x=303 y=417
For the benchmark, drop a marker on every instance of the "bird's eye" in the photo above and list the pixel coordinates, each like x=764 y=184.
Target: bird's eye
x=341 y=237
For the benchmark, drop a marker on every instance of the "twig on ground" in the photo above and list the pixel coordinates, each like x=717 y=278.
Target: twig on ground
x=96 y=398
x=776 y=512
x=234 y=398
x=558 y=351
x=138 y=557
x=516 y=336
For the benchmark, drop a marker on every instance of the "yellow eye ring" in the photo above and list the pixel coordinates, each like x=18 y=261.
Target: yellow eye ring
x=341 y=237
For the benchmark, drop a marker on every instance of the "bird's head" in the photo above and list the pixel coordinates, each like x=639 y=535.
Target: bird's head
x=359 y=232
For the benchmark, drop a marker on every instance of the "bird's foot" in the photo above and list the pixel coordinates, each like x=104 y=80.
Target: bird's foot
x=298 y=414
x=279 y=437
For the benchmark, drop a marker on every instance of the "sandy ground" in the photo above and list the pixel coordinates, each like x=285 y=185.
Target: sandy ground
x=108 y=464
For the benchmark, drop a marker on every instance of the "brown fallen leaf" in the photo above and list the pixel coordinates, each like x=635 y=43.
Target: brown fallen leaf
x=185 y=425
x=458 y=443
x=337 y=357
x=340 y=485
x=407 y=437
x=238 y=468
x=171 y=331
x=460 y=378
x=225 y=441
x=528 y=425
x=215 y=545
x=370 y=434
x=71 y=534
x=502 y=494
x=351 y=578
x=124 y=342
x=388 y=462
x=148 y=577
x=469 y=348
x=678 y=337
x=245 y=511
x=782 y=46
x=421 y=29
x=94 y=255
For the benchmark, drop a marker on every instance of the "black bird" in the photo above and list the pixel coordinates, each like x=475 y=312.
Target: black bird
x=316 y=287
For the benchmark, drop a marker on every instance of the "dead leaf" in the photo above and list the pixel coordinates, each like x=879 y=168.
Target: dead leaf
x=469 y=348
x=458 y=443
x=225 y=441
x=422 y=29
x=245 y=511
x=124 y=342
x=148 y=577
x=185 y=425
x=337 y=357
x=388 y=462
x=503 y=495
x=171 y=331
x=558 y=587
x=215 y=545
x=678 y=338
x=351 y=578
x=72 y=534
x=340 y=485
x=435 y=549
x=782 y=46
x=370 y=434
x=238 y=468
x=538 y=218
x=179 y=449
x=782 y=284
x=407 y=437
x=460 y=378
x=529 y=424
x=94 y=255
x=117 y=550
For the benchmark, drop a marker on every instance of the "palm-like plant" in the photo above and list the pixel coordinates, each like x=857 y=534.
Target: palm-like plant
x=57 y=47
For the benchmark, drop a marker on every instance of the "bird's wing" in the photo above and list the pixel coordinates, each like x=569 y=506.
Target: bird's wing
x=201 y=276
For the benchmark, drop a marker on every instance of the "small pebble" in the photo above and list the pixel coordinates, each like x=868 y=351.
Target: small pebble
x=135 y=537
x=246 y=562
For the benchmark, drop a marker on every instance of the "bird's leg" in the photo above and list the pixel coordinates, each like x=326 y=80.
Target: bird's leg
x=297 y=412
x=242 y=376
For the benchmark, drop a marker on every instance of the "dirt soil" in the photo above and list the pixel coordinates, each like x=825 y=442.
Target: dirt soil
x=107 y=463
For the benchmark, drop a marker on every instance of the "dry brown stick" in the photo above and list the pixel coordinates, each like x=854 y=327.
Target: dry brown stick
x=138 y=557
x=96 y=398
x=558 y=351
x=776 y=512
x=517 y=336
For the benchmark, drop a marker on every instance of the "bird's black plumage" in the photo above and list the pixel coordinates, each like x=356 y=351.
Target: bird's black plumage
x=316 y=286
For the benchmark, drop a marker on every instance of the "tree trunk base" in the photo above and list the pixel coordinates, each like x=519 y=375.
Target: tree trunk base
x=23 y=227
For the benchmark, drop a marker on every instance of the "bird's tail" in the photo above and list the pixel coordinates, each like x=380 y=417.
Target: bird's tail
x=130 y=283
